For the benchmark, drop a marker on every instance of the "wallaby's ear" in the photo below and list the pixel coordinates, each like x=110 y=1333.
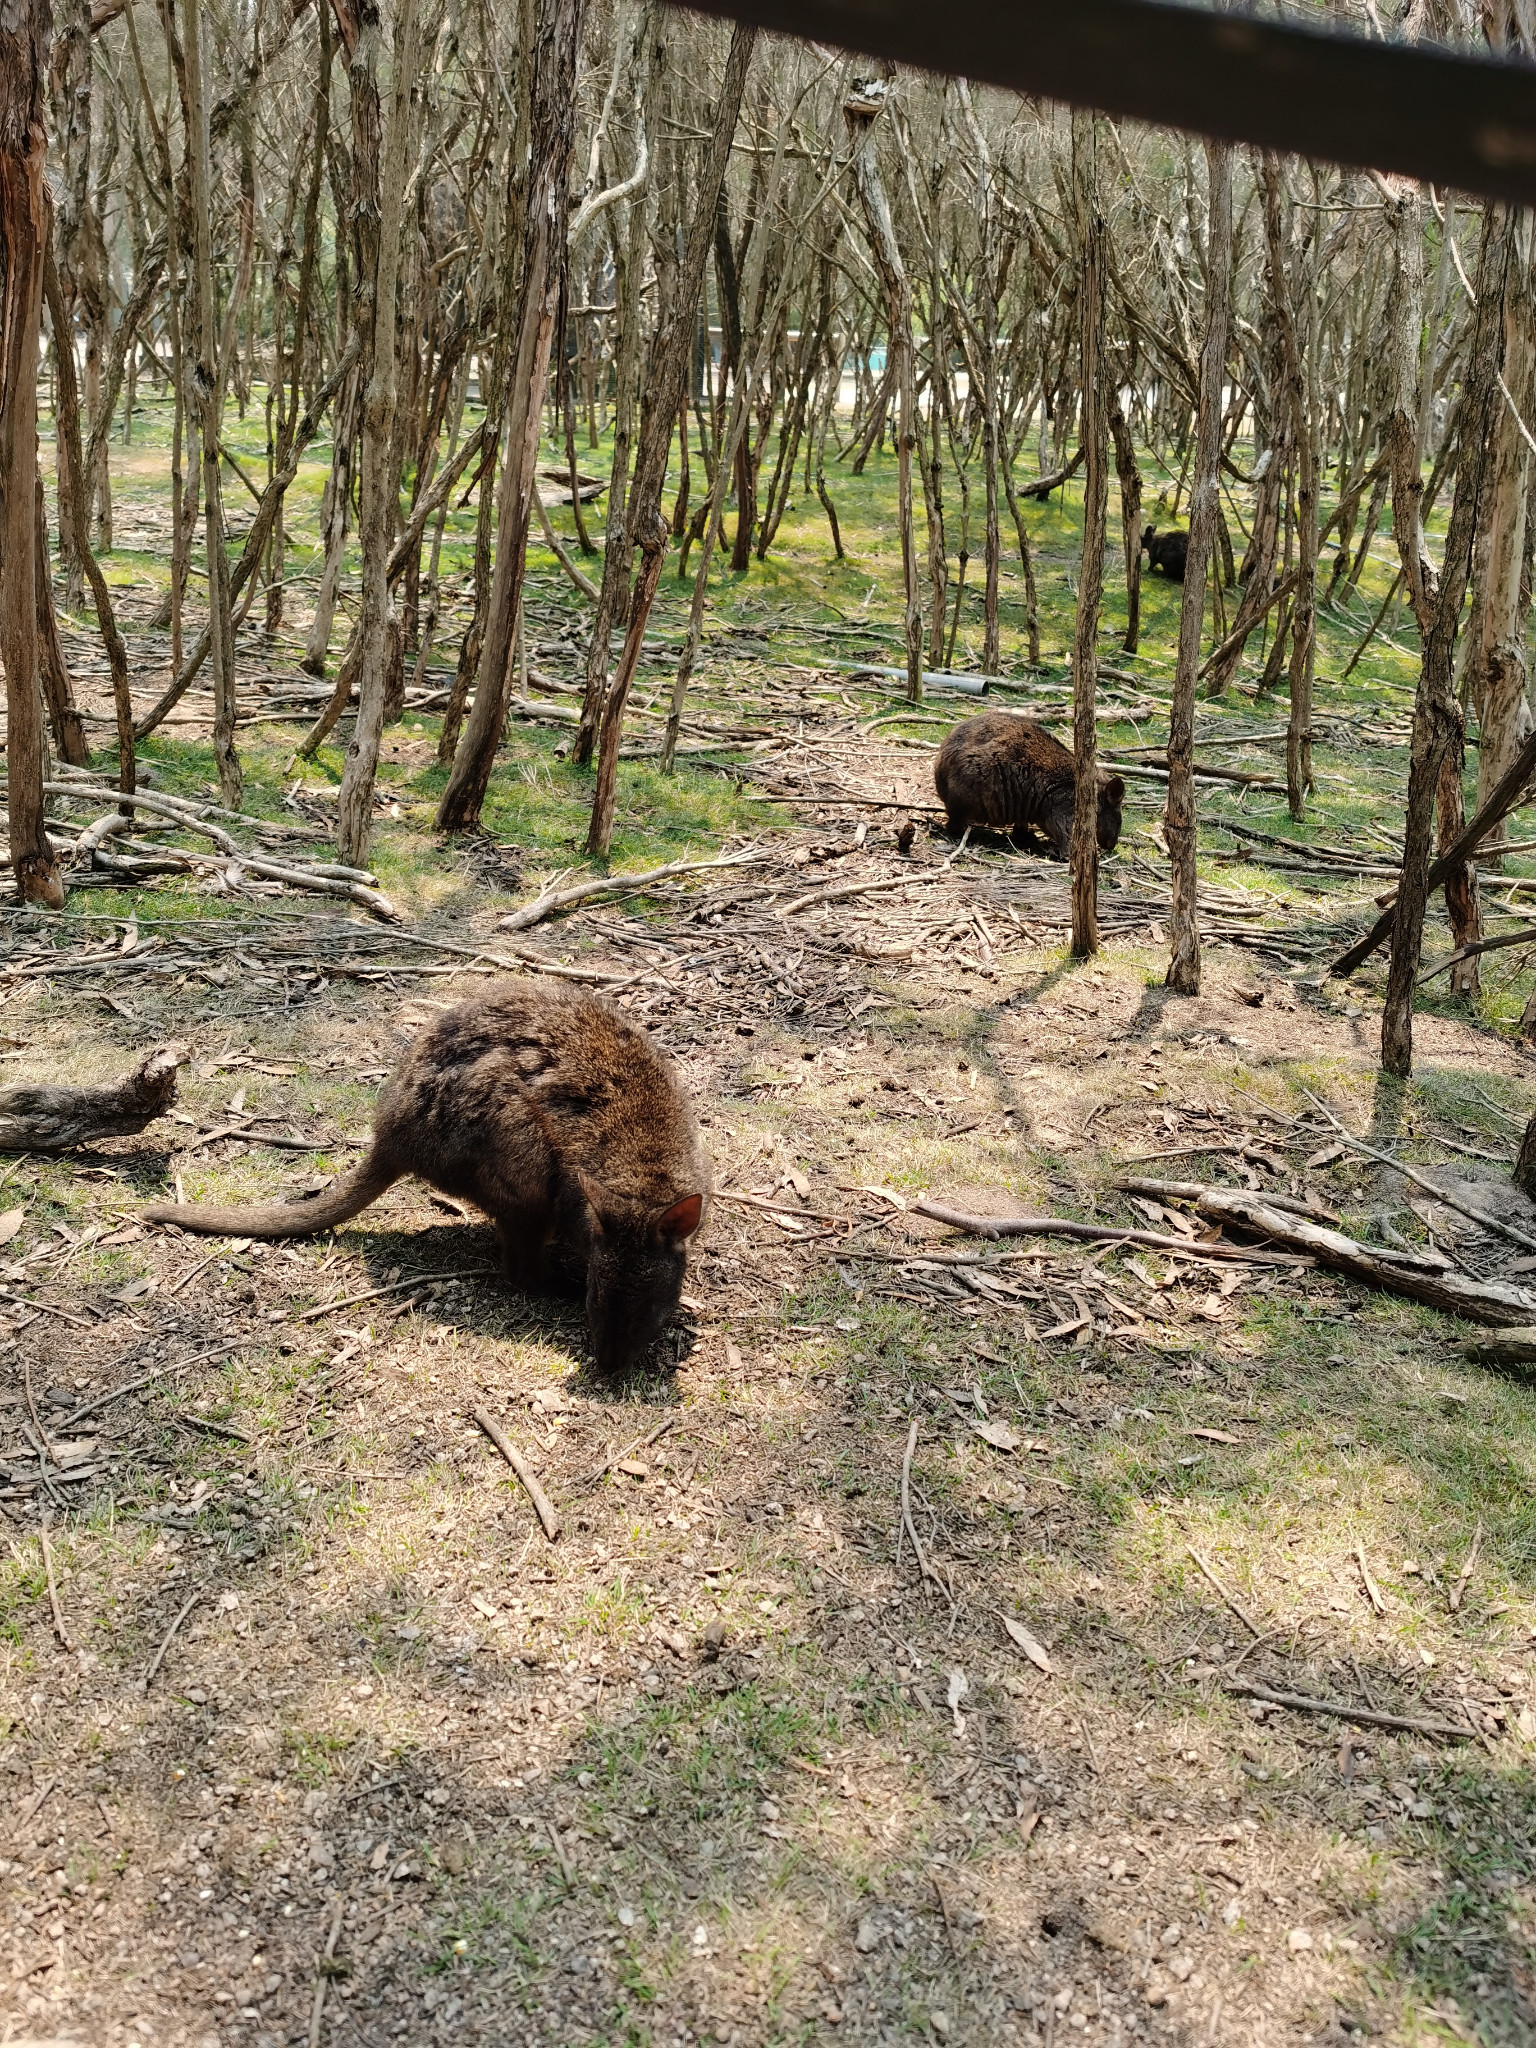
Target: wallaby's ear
x=1114 y=789
x=682 y=1219
x=594 y=1193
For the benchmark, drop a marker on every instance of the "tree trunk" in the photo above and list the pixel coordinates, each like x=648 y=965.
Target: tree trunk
x=208 y=385
x=666 y=377
x=381 y=134
x=1129 y=473
x=860 y=111
x=553 y=60
x=1090 y=587
x=23 y=238
x=1298 y=742
x=1179 y=822
x=1437 y=721
x=58 y=691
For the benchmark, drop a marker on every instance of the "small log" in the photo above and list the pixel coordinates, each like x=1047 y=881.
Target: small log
x=1096 y=1233
x=543 y=1506
x=1420 y=1277
x=37 y=1116
x=1513 y=1346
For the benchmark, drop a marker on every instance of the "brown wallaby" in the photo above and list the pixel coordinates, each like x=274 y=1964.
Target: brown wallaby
x=550 y=1110
x=1009 y=773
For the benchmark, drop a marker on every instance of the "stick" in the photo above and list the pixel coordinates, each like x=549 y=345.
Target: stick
x=1459 y=1591
x=949 y=1927
x=53 y=1592
x=1372 y=1591
x=1091 y=1233
x=395 y=1287
x=132 y=1386
x=525 y=1472
x=551 y=900
x=844 y=889
x=323 y=1974
x=1368 y=1717
x=641 y=1443
x=154 y=1662
x=34 y=1804
x=906 y=1522
x=1242 y=1614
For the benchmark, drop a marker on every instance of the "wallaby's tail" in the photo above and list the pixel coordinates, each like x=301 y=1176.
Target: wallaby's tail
x=343 y=1198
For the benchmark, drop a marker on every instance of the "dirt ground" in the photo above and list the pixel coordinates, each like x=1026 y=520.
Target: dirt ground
x=316 y=1738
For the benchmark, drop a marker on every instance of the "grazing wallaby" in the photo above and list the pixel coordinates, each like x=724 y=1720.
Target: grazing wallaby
x=548 y=1109
x=1010 y=773
x=1166 y=551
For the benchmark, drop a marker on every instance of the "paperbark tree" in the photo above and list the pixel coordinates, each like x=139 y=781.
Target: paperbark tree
x=1179 y=821
x=24 y=27
x=1298 y=740
x=553 y=58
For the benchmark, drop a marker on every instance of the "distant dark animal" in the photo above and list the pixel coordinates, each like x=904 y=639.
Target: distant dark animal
x=1010 y=773
x=1166 y=551
x=550 y=1110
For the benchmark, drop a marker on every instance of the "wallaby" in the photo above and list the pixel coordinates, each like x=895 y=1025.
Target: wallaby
x=1010 y=773
x=550 y=1110
x=1166 y=551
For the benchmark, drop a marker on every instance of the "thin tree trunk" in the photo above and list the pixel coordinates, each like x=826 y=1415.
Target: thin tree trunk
x=24 y=230
x=1179 y=821
x=553 y=61
x=1437 y=720
x=667 y=371
x=897 y=290
x=208 y=384
x=1298 y=743
x=58 y=691
x=1090 y=587
x=381 y=129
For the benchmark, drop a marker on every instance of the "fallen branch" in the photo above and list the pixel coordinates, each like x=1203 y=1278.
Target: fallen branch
x=1368 y=1717
x=525 y=1472
x=37 y=1116
x=1209 y=1572
x=556 y=899
x=841 y=890
x=641 y=1443
x=1516 y=1346
x=1414 y=1274
x=165 y=1642
x=1478 y=1216
x=1523 y=937
x=1092 y=1233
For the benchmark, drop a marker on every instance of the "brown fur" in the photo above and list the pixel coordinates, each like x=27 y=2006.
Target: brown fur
x=548 y=1109
x=1011 y=774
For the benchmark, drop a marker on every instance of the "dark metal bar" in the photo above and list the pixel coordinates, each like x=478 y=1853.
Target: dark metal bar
x=1421 y=110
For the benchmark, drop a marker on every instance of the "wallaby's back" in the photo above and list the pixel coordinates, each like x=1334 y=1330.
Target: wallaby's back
x=504 y=1102
x=1009 y=773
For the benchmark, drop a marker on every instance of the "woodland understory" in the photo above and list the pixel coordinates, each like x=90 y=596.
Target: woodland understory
x=957 y=1637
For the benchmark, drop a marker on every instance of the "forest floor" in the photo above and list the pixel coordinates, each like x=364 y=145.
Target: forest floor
x=307 y=1734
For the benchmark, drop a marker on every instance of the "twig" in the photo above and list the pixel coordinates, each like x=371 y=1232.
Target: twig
x=323 y=1974
x=1369 y=1717
x=34 y=1804
x=154 y=1663
x=1355 y=1144
x=567 y=1867
x=37 y=1421
x=1458 y=1592
x=840 y=890
x=1091 y=1233
x=308 y=1315
x=53 y=1592
x=1242 y=1614
x=1372 y=1591
x=908 y=1524
x=641 y=1443
x=525 y=1472
x=132 y=1386
x=949 y=1925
